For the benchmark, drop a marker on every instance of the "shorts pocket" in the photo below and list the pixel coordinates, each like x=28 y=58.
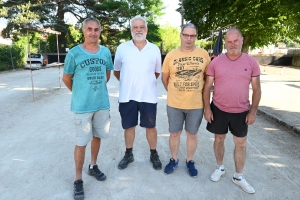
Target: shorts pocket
x=78 y=127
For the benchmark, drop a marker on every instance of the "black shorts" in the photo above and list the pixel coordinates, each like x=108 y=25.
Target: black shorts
x=129 y=112
x=224 y=120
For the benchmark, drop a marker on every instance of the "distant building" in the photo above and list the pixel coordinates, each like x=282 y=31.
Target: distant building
x=270 y=49
x=281 y=45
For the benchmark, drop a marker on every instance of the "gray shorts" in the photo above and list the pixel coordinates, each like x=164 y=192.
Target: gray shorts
x=191 y=117
x=91 y=124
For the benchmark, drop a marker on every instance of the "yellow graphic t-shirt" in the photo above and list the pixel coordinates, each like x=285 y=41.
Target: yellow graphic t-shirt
x=186 y=81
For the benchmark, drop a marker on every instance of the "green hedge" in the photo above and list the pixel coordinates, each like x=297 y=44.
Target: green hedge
x=11 y=57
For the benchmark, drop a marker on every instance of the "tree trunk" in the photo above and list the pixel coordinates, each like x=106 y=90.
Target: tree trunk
x=61 y=27
x=245 y=47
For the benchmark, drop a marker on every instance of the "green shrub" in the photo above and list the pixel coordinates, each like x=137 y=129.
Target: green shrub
x=11 y=57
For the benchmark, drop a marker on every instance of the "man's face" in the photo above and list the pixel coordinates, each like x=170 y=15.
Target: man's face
x=188 y=37
x=139 y=30
x=233 y=42
x=91 y=32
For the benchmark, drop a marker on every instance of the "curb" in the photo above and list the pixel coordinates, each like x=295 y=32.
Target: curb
x=279 y=121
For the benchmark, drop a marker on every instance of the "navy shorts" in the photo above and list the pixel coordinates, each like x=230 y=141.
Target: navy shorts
x=129 y=112
x=224 y=120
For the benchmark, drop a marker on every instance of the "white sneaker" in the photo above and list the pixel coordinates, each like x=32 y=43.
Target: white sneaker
x=241 y=181
x=216 y=176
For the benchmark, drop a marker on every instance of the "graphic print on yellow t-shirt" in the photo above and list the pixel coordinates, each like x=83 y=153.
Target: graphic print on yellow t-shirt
x=186 y=81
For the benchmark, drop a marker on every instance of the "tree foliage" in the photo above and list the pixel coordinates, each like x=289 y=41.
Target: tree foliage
x=114 y=16
x=170 y=36
x=261 y=21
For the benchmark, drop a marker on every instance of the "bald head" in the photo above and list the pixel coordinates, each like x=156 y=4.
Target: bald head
x=235 y=30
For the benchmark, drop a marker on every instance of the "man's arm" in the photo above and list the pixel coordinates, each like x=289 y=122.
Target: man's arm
x=67 y=79
x=256 y=95
x=107 y=75
x=165 y=80
x=206 y=98
x=117 y=74
x=157 y=75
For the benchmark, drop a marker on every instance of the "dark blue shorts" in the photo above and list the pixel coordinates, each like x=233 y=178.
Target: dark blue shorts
x=129 y=112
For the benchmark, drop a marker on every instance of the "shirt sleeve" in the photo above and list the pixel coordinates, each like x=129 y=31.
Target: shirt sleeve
x=207 y=58
x=165 y=67
x=256 y=68
x=211 y=68
x=158 y=62
x=117 y=61
x=69 y=64
x=110 y=65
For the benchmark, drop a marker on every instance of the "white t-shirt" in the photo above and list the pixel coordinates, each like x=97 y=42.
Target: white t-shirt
x=137 y=72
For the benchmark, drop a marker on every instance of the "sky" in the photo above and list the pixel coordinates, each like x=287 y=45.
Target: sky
x=171 y=17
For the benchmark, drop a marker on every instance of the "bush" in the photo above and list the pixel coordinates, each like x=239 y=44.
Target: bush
x=11 y=57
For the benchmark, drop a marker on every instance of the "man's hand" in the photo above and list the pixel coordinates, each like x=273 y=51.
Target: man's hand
x=208 y=115
x=250 y=118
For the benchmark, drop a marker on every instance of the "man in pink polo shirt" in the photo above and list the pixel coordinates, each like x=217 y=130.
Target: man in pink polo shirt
x=232 y=73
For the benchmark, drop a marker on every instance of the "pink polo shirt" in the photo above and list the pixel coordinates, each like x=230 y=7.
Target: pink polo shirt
x=231 y=82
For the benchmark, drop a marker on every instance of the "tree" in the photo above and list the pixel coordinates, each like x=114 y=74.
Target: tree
x=170 y=38
x=262 y=22
x=114 y=16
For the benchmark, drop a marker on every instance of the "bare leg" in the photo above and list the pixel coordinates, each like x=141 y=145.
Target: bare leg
x=174 y=142
x=151 y=135
x=219 y=148
x=95 y=147
x=129 y=135
x=240 y=153
x=79 y=154
x=191 y=145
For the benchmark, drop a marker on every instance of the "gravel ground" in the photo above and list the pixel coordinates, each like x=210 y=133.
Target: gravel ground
x=37 y=143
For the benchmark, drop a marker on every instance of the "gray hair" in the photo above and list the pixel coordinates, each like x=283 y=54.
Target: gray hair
x=88 y=20
x=189 y=25
x=234 y=29
x=138 y=17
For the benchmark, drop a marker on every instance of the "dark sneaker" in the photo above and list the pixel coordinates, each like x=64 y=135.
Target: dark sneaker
x=128 y=158
x=154 y=158
x=100 y=176
x=191 y=168
x=78 y=191
x=169 y=168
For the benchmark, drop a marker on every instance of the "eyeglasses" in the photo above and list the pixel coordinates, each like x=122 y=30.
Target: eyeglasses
x=187 y=36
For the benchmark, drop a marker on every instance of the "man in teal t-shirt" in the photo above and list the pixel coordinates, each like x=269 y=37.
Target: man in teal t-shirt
x=87 y=69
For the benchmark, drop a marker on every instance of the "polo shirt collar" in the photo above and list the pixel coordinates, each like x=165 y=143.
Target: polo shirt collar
x=146 y=46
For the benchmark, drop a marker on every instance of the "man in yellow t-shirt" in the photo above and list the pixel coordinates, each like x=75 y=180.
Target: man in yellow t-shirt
x=183 y=77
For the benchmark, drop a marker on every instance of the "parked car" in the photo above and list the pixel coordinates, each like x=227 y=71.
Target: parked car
x=37 y=61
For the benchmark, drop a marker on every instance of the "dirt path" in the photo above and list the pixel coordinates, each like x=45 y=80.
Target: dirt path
x=36 y=152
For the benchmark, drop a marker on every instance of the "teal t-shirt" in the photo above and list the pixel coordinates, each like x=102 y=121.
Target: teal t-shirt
x=89 y=91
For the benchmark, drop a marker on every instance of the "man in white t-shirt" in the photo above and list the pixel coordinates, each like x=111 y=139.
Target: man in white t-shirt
x=137 y=65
